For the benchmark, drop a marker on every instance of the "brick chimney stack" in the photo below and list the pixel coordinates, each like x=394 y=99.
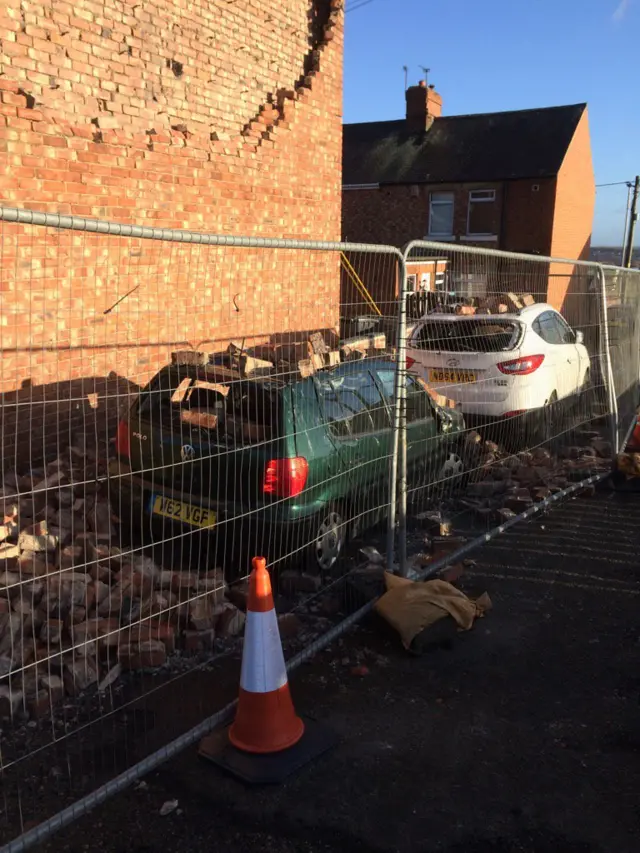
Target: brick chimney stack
x=424 y=105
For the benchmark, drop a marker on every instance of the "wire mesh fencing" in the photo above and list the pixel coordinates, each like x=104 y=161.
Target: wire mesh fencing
x=174 y=403
x=515 y=351
x=622 y=297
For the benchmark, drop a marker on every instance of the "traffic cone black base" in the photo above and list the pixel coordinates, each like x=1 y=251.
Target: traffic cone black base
x=271 y=768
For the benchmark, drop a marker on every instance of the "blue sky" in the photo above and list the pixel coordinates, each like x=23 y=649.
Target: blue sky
x=488 y=55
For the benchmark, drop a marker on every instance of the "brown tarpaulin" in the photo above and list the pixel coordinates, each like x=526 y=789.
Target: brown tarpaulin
x=410 y=606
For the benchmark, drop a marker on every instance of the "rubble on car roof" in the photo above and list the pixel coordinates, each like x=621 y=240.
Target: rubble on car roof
x=303 y=356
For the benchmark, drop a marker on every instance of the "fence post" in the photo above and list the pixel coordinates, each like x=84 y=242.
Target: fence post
x=605 y=363
x=398 y=462
x=399 y=424
x=393 y=461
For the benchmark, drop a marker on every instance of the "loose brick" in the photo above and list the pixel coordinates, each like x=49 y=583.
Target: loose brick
x=129 y=578
x=11 y=700
x=51 y=632
x=71 y=555
x=182 y=581
x=151 y=629
x=79 y=674
x=145 y=655
x=289 y=626
x=92 y=629
x=201 y=613
x=38 y=537
x=230 y=622
x=199 y=641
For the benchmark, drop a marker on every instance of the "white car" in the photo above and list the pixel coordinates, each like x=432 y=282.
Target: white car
x=500 y=365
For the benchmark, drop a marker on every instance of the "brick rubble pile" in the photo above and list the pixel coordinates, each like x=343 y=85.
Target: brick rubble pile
x=504 y=485
x=76 y=609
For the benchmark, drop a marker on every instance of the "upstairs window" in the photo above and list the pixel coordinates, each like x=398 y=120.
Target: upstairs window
x=441 y=215
x=481 y=214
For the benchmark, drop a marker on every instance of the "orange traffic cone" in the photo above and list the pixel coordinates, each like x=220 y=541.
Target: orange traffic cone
x=266 y=720
x=267 y=741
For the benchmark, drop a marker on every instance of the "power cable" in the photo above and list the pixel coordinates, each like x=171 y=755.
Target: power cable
x=358 y=5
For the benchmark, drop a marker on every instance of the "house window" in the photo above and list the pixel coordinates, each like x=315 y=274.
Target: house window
x=412 y=282
x=481 y=214
x=467 y=285
x=441 y=215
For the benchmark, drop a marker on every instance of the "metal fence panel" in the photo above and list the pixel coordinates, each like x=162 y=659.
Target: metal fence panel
x=176 y=402
x=173 y=404
x=622 y=298
x=518 y=346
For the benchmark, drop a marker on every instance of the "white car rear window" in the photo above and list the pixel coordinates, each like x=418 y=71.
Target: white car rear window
x=468 y=335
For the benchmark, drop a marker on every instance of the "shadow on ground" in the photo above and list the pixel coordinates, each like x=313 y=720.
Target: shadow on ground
x=522 y=736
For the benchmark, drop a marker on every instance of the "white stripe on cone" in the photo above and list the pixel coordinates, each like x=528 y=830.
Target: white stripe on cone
x=263 y=668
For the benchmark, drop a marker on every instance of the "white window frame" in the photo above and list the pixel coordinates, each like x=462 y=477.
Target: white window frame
x=435 y=202
x=469 y=284
x=479 y=197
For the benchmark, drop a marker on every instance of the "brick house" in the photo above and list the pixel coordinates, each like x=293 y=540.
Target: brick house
x=520 y=181
x=206 y=115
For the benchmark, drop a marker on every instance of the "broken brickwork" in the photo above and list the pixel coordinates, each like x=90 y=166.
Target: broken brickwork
x=210 y=116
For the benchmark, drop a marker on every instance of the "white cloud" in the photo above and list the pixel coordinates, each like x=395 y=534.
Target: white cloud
x=621 y=10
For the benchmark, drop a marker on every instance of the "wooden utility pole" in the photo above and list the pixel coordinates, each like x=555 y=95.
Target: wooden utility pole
x=632 y=224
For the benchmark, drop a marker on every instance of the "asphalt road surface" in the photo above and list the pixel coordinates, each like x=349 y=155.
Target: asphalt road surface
x=521 y=735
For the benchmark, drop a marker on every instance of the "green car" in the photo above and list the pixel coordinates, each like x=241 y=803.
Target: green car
x=283 y=467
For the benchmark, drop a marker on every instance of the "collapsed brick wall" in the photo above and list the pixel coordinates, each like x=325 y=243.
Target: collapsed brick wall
x=210 y=116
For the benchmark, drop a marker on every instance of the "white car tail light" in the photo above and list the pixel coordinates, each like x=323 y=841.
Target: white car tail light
x=521 y=366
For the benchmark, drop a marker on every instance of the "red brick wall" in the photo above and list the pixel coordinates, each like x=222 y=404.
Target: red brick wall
x=575 y=198
x=392 y=215
x=205 y=115
x=528 y=216
x=533 y=216
x=395 y=215
x=398 y=214
x=556 y=220
x=574 y=208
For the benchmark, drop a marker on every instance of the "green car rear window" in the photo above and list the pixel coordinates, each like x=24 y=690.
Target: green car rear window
x=243 y=410
x=351 y=403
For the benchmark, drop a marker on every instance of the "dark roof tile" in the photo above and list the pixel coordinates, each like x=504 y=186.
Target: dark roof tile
x=483 y=147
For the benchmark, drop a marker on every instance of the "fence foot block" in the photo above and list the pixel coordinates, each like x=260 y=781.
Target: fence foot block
x=268 y=769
